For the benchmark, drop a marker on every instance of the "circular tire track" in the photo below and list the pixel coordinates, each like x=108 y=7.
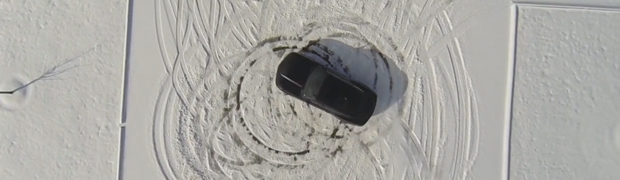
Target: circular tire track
x=221 y=126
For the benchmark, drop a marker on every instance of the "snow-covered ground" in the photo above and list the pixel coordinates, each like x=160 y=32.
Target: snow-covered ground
x=199 y=101
x=65 y=123
x=219 y=115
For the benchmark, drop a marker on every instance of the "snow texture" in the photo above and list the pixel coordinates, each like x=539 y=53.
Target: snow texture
x=566 y=95
x=61 y=78
x=220 y=116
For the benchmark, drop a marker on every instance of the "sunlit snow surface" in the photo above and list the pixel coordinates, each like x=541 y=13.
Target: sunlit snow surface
x=220 y=115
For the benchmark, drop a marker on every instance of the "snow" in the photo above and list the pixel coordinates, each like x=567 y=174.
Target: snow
x=202 y=102
x=565 y=123
x=64 y=123
x=231 y=121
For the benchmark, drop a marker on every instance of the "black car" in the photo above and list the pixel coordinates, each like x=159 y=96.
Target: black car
x=326 y=89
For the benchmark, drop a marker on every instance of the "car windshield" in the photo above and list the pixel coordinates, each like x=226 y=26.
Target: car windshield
x=313 y=84
x=339 y=95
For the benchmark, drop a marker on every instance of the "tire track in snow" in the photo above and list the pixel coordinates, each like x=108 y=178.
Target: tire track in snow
x=215 y=123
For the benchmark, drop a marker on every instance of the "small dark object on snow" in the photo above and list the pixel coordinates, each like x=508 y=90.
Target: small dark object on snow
x=307 y=80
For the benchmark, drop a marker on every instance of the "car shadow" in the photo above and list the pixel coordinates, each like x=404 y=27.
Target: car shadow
x=362 y=64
